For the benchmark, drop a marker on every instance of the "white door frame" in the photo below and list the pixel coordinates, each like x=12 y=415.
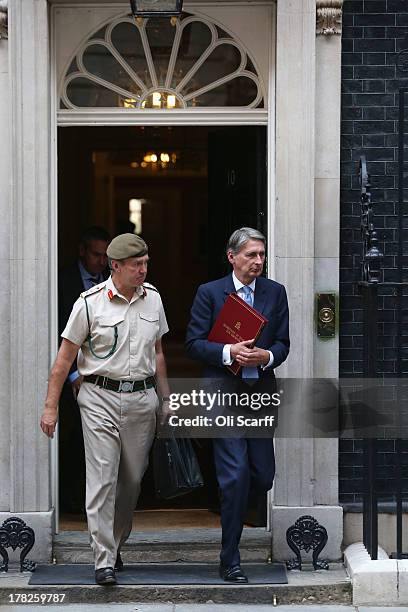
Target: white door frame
x=128 y=117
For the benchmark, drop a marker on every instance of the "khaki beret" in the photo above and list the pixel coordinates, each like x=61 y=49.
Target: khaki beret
x=126 y=245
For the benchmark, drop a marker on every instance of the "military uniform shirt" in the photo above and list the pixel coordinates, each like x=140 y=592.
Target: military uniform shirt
x=140 y=324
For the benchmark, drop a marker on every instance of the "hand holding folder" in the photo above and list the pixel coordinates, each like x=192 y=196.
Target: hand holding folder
x=236 y=322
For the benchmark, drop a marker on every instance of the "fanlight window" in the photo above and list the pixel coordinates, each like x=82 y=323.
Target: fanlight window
x=155 y=65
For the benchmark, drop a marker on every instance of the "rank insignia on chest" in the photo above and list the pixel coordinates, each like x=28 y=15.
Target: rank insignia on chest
x=110 y=294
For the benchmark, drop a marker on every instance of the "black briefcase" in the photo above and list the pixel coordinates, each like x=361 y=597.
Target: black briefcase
x=175 y=467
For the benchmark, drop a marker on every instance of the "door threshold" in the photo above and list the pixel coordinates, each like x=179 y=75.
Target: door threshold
x=153 y=520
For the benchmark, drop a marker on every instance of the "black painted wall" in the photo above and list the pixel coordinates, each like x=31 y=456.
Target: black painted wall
x=375 y=32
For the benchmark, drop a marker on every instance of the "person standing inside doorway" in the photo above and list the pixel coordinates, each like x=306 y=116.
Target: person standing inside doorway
x=241 y=462
x=89 y=269
x=117 y=327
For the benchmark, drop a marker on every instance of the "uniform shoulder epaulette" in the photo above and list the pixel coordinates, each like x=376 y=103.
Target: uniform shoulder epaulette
x=93 y=290
x=149 y=286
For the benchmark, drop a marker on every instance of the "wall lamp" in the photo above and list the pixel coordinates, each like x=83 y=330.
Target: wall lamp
x=156 y=8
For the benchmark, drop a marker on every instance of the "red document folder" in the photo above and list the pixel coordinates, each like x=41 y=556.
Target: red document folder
x=237 y=321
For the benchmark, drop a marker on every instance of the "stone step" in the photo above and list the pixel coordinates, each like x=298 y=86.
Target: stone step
x=305 y=587
x=166 y=546
x=194 y=545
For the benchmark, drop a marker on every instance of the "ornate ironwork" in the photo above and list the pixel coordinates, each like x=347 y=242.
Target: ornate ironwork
x=372 y=256
x=307 y=534
x=14 y=533
x=369 y=288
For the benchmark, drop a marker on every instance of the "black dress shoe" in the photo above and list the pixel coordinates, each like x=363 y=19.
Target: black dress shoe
x=105 y=575
x=118 y=563
x=233 y=574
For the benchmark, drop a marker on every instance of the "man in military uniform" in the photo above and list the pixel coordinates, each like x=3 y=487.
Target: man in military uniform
x=117 y=327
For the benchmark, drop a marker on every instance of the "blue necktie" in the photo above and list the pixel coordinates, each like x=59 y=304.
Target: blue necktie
x=92 y=281
x=247 y=372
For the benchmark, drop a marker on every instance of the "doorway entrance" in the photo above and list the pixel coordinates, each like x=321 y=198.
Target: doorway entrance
x=184 y=189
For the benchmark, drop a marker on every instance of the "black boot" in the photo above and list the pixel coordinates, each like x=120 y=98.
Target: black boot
x=105 y=576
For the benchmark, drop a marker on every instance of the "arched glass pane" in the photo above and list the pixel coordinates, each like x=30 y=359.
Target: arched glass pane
x=241 y=91
x=128 y=50
x=160 y=34
x=99 y=61
x=100 y=33
x=222 y=33
x=195 y=39
x=224 y=60
x=84 y=93
x=127 y=41
x=73 y=67
x=249 y=66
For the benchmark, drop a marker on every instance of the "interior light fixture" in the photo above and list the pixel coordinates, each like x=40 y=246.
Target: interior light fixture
x=150 y=158
x=156 y=103
x=171 y=101
x=129 y=103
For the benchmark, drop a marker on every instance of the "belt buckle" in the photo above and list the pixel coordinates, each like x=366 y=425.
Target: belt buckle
x=100 y=381
x=126 y=386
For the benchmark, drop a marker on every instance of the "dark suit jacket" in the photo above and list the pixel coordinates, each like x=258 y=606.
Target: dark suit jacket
x=269 y=299
x=70 y=286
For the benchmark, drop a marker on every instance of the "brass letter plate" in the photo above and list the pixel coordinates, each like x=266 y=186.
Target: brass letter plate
x=326 y=315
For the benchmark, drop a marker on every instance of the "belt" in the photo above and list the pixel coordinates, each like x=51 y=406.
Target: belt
x=121 y=386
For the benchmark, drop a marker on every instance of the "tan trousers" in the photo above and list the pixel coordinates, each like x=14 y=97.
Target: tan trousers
x=118 y=433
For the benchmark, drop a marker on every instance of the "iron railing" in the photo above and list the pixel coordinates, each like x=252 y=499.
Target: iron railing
x=371 y=281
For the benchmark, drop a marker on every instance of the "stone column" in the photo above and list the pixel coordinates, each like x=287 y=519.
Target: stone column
x=327 y=216
x=5 y=167
x=28 y=263
x=306 y=468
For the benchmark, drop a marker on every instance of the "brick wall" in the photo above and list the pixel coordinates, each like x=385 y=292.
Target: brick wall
x=374 y=33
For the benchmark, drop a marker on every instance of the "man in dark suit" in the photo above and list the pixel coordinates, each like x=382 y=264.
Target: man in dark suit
x=88 y=270
x=241 y=462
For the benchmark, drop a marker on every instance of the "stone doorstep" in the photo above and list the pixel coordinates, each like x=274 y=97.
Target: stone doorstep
x=380 y=582
x=166 y=546
x=306 y=587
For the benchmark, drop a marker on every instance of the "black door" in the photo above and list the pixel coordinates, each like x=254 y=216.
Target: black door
x=237 y=198
x=236 y=188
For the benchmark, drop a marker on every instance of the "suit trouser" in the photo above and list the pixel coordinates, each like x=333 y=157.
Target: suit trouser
x=118 y=433
x=240 y=463
x=71 y=464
